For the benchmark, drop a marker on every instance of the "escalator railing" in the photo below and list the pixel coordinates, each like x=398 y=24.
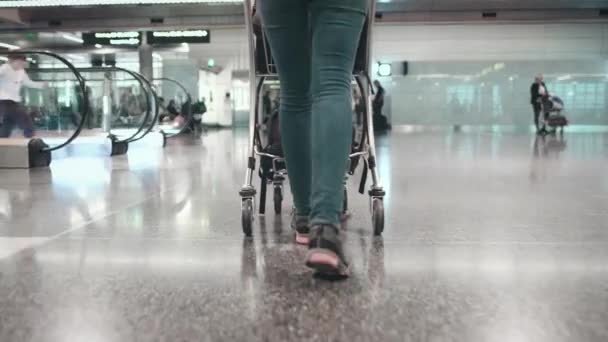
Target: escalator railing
x=173 y=91
x=155 y=103
x=122 y=103
x=131 y=108
x=58 y=112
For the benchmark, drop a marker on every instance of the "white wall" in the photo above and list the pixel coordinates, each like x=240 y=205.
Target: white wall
x=228 y=48
x=445 y=85
x=481 y=73
x=184 y=71
x=491 y=41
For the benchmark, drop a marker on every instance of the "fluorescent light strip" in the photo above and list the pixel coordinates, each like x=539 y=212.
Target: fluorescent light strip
x=73 y=38
x=76 y=57
x=173 y=34
x=9 y=46
x=58 y=3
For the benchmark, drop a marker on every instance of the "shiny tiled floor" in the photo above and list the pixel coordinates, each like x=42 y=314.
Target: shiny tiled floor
x=490 y=237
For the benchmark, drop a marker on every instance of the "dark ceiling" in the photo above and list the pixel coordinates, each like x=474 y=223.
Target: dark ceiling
x=211 y=15
x=484 y=5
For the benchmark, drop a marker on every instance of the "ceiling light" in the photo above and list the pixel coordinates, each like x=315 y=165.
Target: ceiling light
x=9 y=46
x=73 y=38
x=78 y=57
x=130 y=41
x=384 y=69
x=185 y=33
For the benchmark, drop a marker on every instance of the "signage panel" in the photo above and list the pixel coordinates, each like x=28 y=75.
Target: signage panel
x=123 y=38
x=179 y=36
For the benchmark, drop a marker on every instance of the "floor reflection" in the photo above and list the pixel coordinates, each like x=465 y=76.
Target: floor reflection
x=273 y=264
x=546 y=148
x=473 y=251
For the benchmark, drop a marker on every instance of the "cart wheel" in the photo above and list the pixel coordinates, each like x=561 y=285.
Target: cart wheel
x=278 y=198
x=345 y=202
x=378 y=216
x=247 y=216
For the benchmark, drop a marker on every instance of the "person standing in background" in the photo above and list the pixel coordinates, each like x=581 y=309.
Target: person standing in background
x=378 y=102
x=12 y=78
x=537 y=91
x=380 y=121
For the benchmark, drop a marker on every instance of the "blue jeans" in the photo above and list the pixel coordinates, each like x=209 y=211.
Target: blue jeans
x=314 y=43
x=13 y=114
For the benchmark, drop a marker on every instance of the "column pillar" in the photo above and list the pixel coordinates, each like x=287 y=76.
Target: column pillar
x=145 y=59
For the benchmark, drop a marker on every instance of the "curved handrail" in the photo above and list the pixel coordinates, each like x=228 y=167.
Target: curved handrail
x=189 y=100
x=156 y=109
x=82 y=85
x=142 y=82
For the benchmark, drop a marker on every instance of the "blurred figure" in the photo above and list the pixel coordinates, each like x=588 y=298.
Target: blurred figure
x=378 y=102
x=128 y=106
x=12 y=78
x=457 y=110
x=185 y=114
x=162 y=111
x=266 y=105
x=79 y=111
x=380 y=121
x=198 y=110
x=538 y=90
x=172 y=110
x=186 y=109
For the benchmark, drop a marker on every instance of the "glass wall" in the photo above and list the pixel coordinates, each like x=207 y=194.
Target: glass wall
x=490 y=93
x=480 y=74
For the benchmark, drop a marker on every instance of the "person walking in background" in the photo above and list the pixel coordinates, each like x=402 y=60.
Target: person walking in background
x=538 y=90
x=172 y=110
x=380 y=121
x=12 y=78
x=314 y=44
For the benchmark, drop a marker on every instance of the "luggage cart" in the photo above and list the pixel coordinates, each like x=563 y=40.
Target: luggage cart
x=551 y=109
x=263 y=69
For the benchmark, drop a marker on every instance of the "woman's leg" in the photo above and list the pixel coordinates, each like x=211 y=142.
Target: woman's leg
x=25 y=122
x=336 y=27
x=287 y=26
x=8 y=112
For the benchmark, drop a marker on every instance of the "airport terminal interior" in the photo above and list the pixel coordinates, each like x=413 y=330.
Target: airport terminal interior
x=144 y=196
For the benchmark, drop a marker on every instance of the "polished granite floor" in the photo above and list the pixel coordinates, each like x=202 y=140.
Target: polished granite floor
x=491 y=236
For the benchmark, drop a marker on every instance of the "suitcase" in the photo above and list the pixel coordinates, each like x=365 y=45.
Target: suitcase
x=557 y=120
